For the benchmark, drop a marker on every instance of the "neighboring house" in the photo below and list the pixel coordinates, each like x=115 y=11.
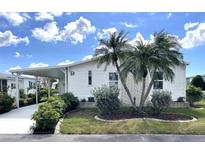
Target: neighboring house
x=189 y=79
x=8 y=84
x=81 y=77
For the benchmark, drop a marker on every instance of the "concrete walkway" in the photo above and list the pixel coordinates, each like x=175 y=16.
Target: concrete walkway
x=17 y=121
x=103 y=138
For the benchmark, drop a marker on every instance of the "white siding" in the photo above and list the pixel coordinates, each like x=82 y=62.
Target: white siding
x=78 y=83
x=23 y=84
x=177 y=87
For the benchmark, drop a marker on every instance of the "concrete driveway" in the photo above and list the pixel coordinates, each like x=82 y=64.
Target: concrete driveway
x=17 y=121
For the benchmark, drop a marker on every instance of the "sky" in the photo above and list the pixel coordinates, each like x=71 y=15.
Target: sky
x=56 y=38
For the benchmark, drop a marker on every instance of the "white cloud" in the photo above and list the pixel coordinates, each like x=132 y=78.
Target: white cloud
x=195 y=37
x=75 y=31
x=17 y=55
x=41 y=16
x=15 y=68
x=48 y=33
x=66 y=62
x=104 y=33
x=87 y=57
x=7 y=38
x=139 y=37
x=129 y=25
x=34 y=65
x=15 y=18
x=169 y=15
x=190 y=25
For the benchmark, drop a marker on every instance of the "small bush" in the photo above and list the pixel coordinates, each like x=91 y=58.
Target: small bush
x=71 y=102
x=22 y=93
x=57 y=103
x=46 y=118
x=160 y=100
x=107 y=101
x=193 y=94
x=23 y=102
x=5 y=103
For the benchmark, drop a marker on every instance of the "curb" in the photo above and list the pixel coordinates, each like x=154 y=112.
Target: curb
x=154 y=119
x=57 y=129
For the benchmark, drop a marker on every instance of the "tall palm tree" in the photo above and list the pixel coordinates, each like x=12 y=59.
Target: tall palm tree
x=112 y=51
x=161 y=55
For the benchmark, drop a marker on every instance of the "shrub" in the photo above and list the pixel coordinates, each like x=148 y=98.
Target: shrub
x=160 y=100
x=22 y=93
x=23 y=102
x=31 y=98
x=57 y=103
x=193 y=94
x=46 y=118
x=5 y=103
x=71 y=102
x=107 y=101
x=198 y=82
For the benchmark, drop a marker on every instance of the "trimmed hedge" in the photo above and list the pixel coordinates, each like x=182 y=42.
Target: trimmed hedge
x=57 y=103
x=46 y=118
x=50 y=112
x=71 y=101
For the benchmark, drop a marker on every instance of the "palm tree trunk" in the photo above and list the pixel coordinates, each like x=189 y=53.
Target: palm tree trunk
x=125 y=87
x=148 y=89
x=142 y=95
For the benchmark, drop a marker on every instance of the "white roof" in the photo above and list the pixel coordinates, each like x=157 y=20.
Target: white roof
x=50 y=71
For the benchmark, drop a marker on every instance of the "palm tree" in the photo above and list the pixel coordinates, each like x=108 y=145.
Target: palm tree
x=161 y=55
x=112 y=51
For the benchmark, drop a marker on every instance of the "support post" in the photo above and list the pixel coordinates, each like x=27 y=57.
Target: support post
x=36 y=90
x=65 y=71
x=17 y=89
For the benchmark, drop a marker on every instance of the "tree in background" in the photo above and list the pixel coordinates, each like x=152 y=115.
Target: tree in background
x=193 y=94
x=198 y=81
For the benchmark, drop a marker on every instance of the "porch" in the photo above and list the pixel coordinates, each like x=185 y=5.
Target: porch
x=57 y=72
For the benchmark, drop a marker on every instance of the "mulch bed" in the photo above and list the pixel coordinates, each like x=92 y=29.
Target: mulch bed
x=163 y=116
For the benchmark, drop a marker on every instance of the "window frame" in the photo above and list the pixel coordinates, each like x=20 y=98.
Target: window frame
x=157 y=81
x=90 y=78
x=113 y=81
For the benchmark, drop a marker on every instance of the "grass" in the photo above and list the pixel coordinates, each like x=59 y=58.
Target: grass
x=82 y=122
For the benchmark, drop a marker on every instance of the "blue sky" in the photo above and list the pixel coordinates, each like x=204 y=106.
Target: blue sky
x=42 y=39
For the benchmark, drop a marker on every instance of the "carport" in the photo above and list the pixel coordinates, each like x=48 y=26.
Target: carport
x=58 y=72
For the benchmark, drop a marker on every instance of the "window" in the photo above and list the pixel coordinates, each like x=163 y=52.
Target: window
x=30 y=85
x=113 y=79
x=3 y=85
x=89 y=77
x=13 y=86
x=158 y=80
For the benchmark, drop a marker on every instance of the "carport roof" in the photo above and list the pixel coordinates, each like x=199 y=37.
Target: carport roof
x=51 y=71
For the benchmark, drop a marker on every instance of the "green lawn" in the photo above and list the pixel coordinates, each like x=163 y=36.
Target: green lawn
x=82 y=122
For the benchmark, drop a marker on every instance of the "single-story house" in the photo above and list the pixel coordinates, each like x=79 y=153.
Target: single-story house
x=81 y=77
x=8 y=84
